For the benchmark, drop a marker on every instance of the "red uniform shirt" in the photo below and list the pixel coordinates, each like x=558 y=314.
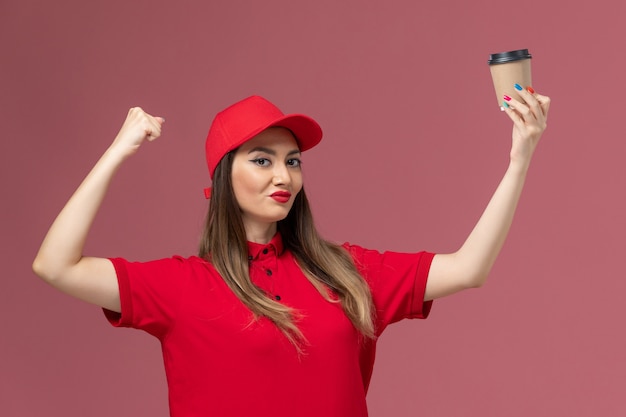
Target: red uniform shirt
x=220 y=363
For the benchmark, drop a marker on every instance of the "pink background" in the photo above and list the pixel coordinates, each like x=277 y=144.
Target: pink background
x=414 y=146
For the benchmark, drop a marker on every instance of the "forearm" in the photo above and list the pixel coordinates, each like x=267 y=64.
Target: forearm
x=481 y=248
x=470 y=265
x=60 y=259
x=63 y=245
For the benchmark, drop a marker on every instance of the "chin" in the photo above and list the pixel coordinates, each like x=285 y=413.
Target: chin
x=273 y=217
x=279 y=217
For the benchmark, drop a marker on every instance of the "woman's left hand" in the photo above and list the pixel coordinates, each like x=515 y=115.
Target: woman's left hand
x=529 y=122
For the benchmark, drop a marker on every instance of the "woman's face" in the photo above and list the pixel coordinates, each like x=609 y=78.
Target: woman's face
x=266 y=177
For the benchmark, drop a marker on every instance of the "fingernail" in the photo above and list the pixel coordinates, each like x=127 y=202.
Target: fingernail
x=501 y=108
x=518 y=87
x=505 y=104
x=530 y=90
x=507 y=98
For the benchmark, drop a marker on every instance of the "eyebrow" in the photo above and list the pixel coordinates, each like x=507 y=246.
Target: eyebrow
x=271 y=151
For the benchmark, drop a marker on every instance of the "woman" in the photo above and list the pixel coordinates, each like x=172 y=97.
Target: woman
x=270 y=319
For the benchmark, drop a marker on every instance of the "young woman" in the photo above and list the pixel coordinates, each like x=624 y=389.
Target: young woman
x=270 y=319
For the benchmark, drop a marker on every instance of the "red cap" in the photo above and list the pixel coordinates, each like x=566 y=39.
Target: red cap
x=247 y=118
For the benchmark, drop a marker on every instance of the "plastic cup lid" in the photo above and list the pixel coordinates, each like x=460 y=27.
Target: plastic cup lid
x=503 y=57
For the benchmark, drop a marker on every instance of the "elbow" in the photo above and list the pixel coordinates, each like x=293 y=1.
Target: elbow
x=39 y=268
x=44 y=270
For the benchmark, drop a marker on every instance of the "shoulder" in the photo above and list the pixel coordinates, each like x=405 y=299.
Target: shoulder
x=359 y=254
x=163 y=266
x=370 y=261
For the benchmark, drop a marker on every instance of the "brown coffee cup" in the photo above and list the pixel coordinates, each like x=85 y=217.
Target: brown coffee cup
x=507 y=69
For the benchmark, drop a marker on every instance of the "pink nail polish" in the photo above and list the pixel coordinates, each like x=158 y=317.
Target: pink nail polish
x=507 y=98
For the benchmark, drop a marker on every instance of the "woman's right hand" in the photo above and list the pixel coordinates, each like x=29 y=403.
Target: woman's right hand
x=138 y=127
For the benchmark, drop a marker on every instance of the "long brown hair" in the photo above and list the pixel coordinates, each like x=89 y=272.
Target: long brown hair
x=326 y=265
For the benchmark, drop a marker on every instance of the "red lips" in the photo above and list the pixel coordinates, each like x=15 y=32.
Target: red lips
x=281 y=196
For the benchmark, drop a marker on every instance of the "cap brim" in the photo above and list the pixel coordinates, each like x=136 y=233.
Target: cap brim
x=307 y=131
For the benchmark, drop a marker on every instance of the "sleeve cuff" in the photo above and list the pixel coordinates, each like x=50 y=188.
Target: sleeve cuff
x=420 y=309
x=123 y=319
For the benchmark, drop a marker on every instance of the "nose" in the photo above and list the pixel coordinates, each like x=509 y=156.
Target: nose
x=282 y=176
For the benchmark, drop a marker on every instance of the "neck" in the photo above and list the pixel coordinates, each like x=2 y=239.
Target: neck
x=260 y=233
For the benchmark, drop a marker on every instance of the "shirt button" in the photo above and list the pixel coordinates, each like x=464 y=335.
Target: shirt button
x=268 y=272
x=265 y=251
x=250 y=257
x=277 y=297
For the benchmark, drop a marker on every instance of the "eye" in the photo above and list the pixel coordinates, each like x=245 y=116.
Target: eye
x=294 y=162
x=262 y=162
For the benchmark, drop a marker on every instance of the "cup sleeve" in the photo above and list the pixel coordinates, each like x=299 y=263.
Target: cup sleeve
x=397 y=281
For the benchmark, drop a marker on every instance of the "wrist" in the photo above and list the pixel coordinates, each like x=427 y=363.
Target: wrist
x=119 y=151
x=519 y=166
x=114 y=156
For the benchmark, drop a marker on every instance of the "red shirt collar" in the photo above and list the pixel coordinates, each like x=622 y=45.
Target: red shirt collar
x=273 y=248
